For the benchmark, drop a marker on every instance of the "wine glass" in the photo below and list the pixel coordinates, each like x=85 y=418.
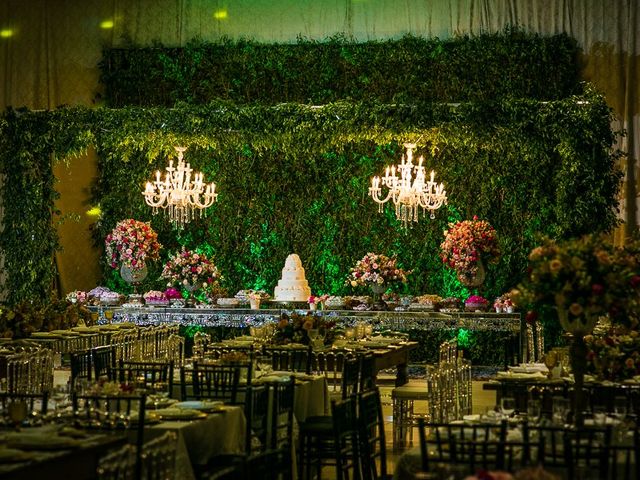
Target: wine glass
x=18 y=412
x=620 y=407
x=507 y=406
x=534 y=409
x=560 y=410
x=368 y=330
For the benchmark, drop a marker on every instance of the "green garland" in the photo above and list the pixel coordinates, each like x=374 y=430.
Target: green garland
x=409 y=70
x=294 y=178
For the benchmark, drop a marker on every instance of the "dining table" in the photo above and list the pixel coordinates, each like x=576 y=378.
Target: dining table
x=200 y=437
x=525 y=381
x=54 y=452
x=409 y=465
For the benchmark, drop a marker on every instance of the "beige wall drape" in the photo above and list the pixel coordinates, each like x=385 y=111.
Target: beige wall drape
x=49 y=50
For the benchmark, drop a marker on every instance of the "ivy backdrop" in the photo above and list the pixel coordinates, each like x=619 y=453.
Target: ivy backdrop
x=294 y=178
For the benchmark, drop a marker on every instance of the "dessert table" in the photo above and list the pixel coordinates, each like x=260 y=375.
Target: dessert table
x=521 y=341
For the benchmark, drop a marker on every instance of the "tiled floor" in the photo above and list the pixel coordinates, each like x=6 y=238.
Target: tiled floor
x=481 y=400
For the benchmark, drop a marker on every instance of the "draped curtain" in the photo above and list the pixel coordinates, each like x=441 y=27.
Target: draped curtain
x=49 y=51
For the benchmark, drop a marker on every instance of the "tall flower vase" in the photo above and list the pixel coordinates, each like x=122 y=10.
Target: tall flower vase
x=378 y=290
x=191 y=300
x=134 y=276
x=475 y=280
x=578 y=327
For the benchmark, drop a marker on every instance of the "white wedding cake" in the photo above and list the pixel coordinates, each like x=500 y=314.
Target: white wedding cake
x=293 y=286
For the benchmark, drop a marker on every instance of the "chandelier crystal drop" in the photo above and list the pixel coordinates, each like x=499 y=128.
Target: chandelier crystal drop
x=408 y=189
x=180 y=194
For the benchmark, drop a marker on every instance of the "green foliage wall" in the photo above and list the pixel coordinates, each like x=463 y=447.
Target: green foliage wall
x=507 y=64
x=294 y=178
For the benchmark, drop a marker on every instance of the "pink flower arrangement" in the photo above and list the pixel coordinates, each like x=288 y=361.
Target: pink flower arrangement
x=78 y=296
x=191 y=269
x=584 y=278
x=376 y=269
x=132 y=243
x=466 y=242
x=476 y=300
x=172 y=293
x=320 y=299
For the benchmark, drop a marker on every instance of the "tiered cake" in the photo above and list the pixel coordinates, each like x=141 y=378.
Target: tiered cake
x=293 y=287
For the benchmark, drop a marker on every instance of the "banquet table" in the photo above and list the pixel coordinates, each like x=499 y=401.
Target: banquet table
x=602 y=393
x=221 y=432
x=520 y=341
x=78 y=463
x=409 y=464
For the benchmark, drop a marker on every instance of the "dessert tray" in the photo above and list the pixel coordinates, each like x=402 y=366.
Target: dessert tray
x=158 y=302
x=228 y=302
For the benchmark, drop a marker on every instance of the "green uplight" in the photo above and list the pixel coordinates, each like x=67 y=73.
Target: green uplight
x=106 y=24
x=6 y=33
x=94 y=211
x=463 y=338
x=220 y=14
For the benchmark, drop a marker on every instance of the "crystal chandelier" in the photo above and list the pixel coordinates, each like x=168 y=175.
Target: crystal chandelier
x=180 y=195
x=409 y=193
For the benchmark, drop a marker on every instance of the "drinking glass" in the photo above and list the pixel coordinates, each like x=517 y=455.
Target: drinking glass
x=534 y=409
x=507 y=406
x=18 y=412
x=620 y=407
x=599 y=415
x=349 y=334
x=368 y=330
x=560 y=410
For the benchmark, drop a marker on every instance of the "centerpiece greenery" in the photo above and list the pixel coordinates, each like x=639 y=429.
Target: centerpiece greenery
x=294 y=328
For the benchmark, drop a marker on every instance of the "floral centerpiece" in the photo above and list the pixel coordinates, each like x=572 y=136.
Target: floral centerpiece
x=155 y=297
x=584 y=278
x=77 y=296
x=191 y=270
x=615 y=355
x=504 y=303
x=295 y=328
x=476 y=302
x=131 y=243
x=466 y=244
x=317 y=301
x=173 y=294
x=376 y=269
